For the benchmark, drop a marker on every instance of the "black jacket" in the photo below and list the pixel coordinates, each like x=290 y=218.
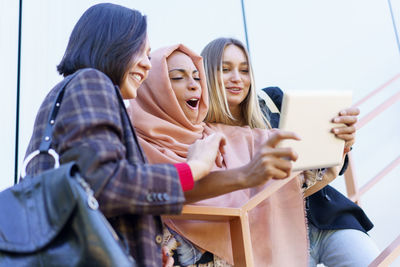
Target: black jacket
x=327 y=209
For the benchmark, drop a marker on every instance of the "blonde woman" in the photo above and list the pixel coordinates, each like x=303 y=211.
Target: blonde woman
x=337 y=227
x=232 y=103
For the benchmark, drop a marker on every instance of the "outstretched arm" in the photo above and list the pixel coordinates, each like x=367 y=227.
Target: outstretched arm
x=269 y=163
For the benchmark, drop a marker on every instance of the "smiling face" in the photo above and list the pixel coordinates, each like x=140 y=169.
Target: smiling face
x=136 y=74
x=236 y=76
x=185 y=82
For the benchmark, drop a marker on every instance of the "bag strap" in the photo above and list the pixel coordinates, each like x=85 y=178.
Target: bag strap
x=48 y=132
x=44 y=147
x=268 y=101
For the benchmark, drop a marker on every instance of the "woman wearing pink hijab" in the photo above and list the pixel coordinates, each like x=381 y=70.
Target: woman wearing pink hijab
x=168 y=115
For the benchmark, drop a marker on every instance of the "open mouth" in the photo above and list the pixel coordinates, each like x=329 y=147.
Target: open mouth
x=137 y=77
x=193 y=103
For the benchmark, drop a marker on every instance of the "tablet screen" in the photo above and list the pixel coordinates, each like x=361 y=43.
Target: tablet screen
x=310 y=114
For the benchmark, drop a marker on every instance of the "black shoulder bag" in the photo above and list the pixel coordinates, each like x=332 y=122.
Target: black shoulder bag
x=52 y=219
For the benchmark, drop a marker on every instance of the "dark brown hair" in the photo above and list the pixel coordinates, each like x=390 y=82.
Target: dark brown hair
x=107 y=37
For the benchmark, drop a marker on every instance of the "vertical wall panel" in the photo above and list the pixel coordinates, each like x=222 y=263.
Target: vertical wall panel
x=193 y=23
x=47 y=25
x=8 y=76
x=313 y=44
x=395 y=8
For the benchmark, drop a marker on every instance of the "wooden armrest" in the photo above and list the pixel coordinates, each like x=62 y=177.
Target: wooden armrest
x=272 y=187
x=193 y=212
x=238 y=220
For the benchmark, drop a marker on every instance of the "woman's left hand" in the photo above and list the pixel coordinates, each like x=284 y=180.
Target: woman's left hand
x=201 y=160
x=348 y=131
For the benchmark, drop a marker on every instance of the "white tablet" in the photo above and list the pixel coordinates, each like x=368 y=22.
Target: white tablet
x=310 y=114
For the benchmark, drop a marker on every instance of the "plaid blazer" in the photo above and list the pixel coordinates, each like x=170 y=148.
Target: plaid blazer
x=93 y=129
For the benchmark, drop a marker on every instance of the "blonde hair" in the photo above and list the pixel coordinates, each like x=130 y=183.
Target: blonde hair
x=219 y=111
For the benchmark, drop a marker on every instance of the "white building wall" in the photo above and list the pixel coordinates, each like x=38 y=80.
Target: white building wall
x=48 y=24
x=340 y=44
x=8 y=76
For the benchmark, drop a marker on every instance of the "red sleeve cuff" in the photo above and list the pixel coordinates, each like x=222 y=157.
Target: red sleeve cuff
x=185 y=176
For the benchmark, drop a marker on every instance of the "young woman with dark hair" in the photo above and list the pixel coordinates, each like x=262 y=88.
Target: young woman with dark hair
x=90 y=47
x=108 y=56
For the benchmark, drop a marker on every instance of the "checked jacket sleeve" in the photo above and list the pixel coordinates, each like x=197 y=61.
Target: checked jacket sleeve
x=92 y=129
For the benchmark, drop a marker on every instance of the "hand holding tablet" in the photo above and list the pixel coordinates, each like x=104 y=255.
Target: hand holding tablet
x=310 y=114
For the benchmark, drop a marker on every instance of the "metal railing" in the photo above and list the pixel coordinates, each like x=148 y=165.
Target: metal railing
x=238 y=219
x=391 y=252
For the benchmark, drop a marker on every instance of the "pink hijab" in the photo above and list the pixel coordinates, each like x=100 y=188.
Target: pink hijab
x=278 y=229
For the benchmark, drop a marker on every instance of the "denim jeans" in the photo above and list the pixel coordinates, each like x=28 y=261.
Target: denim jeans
x=188 y=254
x=340 y=248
